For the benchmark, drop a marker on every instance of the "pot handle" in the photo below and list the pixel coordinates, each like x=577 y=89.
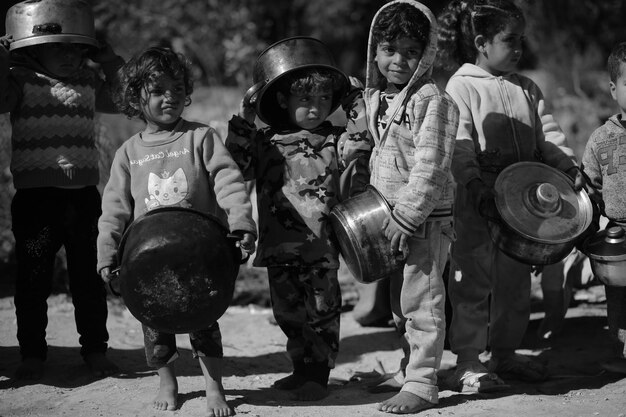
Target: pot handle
x=236 y=237
x=249 y=99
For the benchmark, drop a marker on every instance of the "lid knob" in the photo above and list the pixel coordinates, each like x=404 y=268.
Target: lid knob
x=614 y=234
x=545 y=200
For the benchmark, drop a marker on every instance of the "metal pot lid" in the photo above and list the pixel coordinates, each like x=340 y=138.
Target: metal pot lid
x=539 y=203
x=607 y=245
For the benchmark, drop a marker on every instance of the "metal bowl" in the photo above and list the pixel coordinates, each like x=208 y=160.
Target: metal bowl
x=283 y=58
x=357 y=223
x=607 y=254
x=33 y=22
x=177 y=269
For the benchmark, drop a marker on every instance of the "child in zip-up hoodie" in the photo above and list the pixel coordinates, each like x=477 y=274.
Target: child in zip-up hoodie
x=171 y=163
x=601 y=164
x=503 y=120
x=413 y=124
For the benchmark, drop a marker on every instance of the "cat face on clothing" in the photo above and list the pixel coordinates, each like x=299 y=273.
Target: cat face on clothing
x=166 y=190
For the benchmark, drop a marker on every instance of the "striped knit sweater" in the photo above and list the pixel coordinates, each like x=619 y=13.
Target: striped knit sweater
x=53 y=134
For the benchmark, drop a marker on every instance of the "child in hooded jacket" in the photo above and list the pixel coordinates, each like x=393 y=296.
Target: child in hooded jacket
x=601 y=164
x=413 y=124
x=503 y=120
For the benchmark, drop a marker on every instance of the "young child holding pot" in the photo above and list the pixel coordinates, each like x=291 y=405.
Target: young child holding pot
x=294 y=161
x=53 y=96
x=171 y=163
x=413 y=124
x=601 y=164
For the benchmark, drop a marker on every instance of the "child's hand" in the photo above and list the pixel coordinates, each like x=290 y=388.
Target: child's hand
x=397 y=237
x=5 y=42
x=246 y=111
x=355 y=83
x=577 y=176
x=111 y=279
x=247 y=243
x=356 y=87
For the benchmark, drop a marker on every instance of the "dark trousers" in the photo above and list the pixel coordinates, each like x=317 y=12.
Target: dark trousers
x=44 y=219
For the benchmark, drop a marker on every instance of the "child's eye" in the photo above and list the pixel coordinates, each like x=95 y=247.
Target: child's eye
x=325 y=97
x=304 y=99
x=413 y=52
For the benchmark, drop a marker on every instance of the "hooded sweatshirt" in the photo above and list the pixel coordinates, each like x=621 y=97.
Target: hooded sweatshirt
x=413 y=134
x=602 y=161
x=503 y=120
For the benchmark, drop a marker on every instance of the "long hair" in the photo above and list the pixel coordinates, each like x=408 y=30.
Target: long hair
x=462 y=20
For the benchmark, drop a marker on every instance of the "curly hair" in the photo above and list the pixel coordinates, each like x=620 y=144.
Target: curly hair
x=140 y=71
x=398 y=21
x=462 y=20
x=617 y=57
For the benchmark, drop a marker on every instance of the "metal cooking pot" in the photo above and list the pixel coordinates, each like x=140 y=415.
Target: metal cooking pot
x=357 y=223
x=607 y=254
x=540 y=216
x=33 y=22
x=280 y=59
x=177 y=269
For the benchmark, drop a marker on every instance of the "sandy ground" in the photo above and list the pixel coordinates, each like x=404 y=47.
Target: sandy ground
x=255 y=357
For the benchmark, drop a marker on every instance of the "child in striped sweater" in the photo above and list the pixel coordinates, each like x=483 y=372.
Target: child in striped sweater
x=52 y=97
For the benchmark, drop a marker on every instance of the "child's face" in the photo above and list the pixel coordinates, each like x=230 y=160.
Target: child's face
x=60 y=59
x=163 y=102
x=397 y=60
x=618 y=89
x=308 y=110
x=501 y=54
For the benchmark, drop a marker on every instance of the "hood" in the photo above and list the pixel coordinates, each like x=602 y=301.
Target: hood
x=424 y=68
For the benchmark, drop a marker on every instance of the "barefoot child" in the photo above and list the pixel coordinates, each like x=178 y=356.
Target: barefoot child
x=156 y=86
x=52 y=96
x=295 y=165
x=413 y=124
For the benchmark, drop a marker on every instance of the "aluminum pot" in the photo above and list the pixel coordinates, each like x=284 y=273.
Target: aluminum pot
x=177 y=269
x=357 y=223
x=607 y=254
x=539 y=216
x=280 y=59
x=33 y=22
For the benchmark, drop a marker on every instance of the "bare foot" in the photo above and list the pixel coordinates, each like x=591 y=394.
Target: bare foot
x=30 y=369
x=100 y=365
x=309 y=391
x=167 y=396
x=216 y=404
x=404 y=403
x=289 y=382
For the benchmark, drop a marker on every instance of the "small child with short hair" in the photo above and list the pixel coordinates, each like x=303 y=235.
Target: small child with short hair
x=295 y=164
x=607 y=182
x=53 y=96
x=413 y=124
x=156 y=86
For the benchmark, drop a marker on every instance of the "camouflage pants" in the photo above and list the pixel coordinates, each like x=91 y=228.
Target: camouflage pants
x=307 y=307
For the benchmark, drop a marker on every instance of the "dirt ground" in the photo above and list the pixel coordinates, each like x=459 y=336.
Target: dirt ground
x=255 y=357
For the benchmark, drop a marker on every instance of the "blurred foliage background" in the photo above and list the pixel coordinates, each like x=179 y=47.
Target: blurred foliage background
x=568 y=42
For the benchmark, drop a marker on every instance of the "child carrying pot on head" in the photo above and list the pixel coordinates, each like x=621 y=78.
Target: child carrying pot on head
x=52 y=96
x=297 y=172
x=413 y=124
x=171 y=163
x=607 y=181
x=503 y=120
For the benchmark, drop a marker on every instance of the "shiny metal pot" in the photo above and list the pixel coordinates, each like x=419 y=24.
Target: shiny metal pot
x=33 y=22
x=281 y=59
x=539 y=215
x=357 y=223
x=177 y=269
x=607 y=254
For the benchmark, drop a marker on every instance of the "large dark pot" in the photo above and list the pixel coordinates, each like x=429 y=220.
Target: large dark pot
x=540 y=217
x=357 y=223
x=45 y=21
x=607 y=254
x=177 y=269
x=283 y=58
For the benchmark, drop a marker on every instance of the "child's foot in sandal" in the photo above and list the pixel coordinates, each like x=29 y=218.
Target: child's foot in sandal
x=474 y=377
